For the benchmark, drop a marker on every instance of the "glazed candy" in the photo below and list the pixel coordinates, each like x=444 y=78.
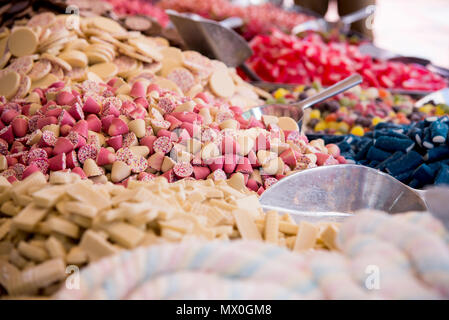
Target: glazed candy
x=358 y=110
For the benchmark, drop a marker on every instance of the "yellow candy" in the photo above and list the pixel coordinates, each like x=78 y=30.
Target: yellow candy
x=376 y=120
x=299 y=89
x=332 y=125
x=320 y=126
x=343 y=110
x=338 y=133
x=343 y=127
x=392 y=114
x=439 y=111
x=315 y=114
x=426 y=108
x=357 y=131
x=280 y=93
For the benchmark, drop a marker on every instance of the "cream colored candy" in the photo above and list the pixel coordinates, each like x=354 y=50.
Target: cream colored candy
x=246 y=225
x=75 y=58
x=306 y=237
x=271 y=229
x=146 y=47
x=40 y=69
x=107 y=25
x=222 y=84
x=172 y=58
x=23 y=41
x=104 y=70
x=288 y=124
x=24 y=87
x=9 y=84
x=57 y=61
x=45 y=82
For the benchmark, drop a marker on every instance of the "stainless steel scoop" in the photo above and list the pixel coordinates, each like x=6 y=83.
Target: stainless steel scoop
x=336 y=192
x=343 y=24
x=440 y=96
x=296 y=110
x=213 y=39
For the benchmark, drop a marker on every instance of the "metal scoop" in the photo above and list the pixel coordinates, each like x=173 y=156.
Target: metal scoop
x=437 y=97
x=213 y=39
x=336 y=192
x=296 y=110
x=342 y=24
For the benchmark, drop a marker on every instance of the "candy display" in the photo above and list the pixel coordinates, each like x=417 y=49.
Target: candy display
x=69 y=221
x=368 y=240
x=283 y=58
x=59 y=48
x=358 y=110
x=416 y=154
x=128 y=163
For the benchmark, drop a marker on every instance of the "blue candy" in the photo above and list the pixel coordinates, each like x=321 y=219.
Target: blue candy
x=344 y=146
x=438 y=153
x=443 y=175
x=404 y=176
x=393 y=157
x=388 y=143
x=424 y=174
x=439 y=132
x=427 y=139
x=377 y=154
x=405 y=163
x=364 y=150
x=390 y=133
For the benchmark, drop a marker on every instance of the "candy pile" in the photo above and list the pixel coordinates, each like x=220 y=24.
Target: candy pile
x=289 y=59
x=358 y=110
x=68 y=221
x=382 y=257
x=415 y=154
x=260 y=18
x=49 y=48
x=146 y=130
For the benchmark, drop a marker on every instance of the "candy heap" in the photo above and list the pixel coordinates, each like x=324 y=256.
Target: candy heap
x=415 y=154
x=118 y=132
x=257 y=19
x=289 y=59
x=358 y=110
x=50 y=48
x=45 y=226
x=381 y=258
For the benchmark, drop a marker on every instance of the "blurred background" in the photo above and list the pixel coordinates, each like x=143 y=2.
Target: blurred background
x=410 y=27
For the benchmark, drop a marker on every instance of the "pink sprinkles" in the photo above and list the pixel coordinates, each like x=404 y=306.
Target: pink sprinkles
x=183 y=169
x=87 y=152
x=162 y=144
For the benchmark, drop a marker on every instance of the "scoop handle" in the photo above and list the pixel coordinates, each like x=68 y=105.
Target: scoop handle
x=333 y=90
x=358 y=15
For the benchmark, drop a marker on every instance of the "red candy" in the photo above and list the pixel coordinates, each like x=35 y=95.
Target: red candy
x=289 y=59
